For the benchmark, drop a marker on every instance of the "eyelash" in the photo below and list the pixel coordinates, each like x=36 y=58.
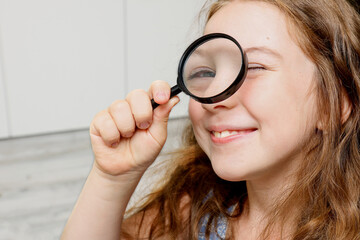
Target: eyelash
x=256 y=68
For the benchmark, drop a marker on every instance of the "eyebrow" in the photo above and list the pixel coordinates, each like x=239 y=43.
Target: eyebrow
x=197 y=51
x=264 y=49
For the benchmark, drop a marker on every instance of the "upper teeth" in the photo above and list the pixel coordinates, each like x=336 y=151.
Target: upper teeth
x=225 y=133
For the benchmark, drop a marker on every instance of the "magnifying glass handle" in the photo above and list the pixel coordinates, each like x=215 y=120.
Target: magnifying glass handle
x=175 y=90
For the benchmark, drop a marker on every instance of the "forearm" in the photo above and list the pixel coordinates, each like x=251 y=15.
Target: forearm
x=99 y=211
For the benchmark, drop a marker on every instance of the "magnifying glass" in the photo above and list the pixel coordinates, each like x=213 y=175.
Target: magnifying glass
x=211 y=69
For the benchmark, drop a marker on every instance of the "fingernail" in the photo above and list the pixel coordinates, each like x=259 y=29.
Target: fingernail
x=175 y=100
x=144 y=125
x=161 y=95
x=114 y=145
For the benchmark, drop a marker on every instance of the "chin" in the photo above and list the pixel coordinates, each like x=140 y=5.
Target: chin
x=229 y=173
x=229 y=168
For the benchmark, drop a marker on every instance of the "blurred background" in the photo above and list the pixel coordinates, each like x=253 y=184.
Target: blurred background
x=61 y=62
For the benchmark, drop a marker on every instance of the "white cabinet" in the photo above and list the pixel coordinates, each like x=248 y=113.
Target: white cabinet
x=63 y=61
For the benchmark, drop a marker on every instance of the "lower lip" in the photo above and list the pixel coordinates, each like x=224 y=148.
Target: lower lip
x=232 y=138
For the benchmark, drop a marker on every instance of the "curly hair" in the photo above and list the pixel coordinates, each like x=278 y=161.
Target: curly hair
x=328 y=180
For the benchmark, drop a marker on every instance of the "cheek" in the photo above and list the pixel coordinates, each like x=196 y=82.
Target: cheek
x=197 y=116
x=283 y=104
x=194 y=111
x=279 y=96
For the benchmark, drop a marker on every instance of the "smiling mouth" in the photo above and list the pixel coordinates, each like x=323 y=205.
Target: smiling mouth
x=226 y=134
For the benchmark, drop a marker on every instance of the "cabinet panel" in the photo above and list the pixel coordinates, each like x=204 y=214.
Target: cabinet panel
x=158 y=31
x=63 y=61
x=4 y=131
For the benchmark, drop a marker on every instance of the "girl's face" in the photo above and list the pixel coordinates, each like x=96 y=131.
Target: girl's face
x=261 y=130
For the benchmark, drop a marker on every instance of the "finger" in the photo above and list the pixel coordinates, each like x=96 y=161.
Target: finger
x=160 y=91
x=158 y=128
x=140 y=105
x=121 y=114
x=104 y=126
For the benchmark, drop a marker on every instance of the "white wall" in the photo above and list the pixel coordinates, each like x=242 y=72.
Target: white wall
x=63 y=61
x=158 y=32
x=4 y=128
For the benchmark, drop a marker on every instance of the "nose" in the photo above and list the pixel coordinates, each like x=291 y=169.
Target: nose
x=229 y=103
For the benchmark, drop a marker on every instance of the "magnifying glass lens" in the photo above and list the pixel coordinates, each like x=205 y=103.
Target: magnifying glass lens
x=212 y=67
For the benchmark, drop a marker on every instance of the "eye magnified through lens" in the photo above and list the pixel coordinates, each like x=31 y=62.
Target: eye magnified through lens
x=211 y=69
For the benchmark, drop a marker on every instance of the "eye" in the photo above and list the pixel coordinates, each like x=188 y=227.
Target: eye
x=201 y=73
x=255 y=67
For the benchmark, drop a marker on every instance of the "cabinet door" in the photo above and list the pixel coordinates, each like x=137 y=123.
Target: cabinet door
x=63 y=61
x=4 y=131
x=158 y=31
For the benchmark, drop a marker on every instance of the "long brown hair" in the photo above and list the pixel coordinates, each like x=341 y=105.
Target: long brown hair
x=328 y=181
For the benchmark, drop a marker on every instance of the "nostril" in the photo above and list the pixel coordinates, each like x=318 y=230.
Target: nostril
x=219 y=106
x=213 y=106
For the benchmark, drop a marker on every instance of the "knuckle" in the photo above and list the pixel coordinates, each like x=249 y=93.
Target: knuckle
x=135 y=93
x=157 y=82
x=99 y=117
x=108 y=123
x=118 y=106
x=160 y=84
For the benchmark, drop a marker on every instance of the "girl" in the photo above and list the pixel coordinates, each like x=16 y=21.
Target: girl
x=279 y=159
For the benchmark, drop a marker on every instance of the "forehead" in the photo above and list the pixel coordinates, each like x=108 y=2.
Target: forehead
x=253 y=24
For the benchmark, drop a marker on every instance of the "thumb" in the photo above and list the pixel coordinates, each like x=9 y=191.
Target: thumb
x=158 y=128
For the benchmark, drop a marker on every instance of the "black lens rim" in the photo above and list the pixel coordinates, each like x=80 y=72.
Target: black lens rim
x=227 y=92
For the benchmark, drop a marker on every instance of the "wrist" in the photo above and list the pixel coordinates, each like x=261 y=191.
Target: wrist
x=127 y=180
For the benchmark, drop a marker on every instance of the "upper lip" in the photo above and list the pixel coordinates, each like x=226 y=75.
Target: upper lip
x=222 y=128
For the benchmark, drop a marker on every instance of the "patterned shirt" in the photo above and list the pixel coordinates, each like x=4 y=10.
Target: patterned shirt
x=216 y=234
